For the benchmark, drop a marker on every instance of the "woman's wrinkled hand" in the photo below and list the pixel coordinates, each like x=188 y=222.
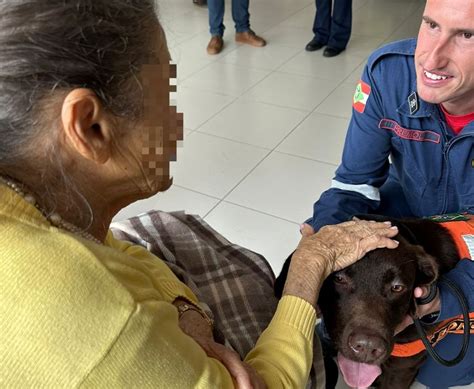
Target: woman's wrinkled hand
x=340 y=245
x=330 y=249
x=306 y=229
x=244 y=376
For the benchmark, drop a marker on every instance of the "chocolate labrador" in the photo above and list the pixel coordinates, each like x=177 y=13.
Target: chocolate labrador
x=363 y=304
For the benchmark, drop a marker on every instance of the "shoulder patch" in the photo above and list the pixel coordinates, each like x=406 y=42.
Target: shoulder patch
x=361 y=96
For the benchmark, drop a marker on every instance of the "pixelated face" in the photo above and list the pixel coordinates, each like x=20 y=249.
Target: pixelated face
x=157 y=133
x=444 y=53
x=162 y=125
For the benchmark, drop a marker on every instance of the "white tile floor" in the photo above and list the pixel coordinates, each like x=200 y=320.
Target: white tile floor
x=265 y=126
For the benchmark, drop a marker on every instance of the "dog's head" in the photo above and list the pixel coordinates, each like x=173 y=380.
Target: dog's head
x=363 y=304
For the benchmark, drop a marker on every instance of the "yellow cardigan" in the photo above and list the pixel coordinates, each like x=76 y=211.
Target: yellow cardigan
x=77 y=314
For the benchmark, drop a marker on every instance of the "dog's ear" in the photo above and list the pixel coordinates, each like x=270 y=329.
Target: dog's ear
x=428 y=267
x=427 y=272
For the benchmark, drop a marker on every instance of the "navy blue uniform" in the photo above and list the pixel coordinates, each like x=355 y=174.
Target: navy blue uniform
x=431 y=172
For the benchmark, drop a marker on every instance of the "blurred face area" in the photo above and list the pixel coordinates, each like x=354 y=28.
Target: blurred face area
x=152 y=143
x=162 y=125
x=444 y=55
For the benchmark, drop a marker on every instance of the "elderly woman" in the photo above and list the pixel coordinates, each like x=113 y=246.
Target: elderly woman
x=87 y=128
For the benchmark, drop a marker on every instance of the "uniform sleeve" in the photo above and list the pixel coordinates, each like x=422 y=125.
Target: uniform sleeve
x=463 y=276
x=152 y=351
x=364 y=167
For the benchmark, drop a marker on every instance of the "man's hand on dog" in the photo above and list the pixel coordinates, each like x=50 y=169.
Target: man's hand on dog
x=421 y=310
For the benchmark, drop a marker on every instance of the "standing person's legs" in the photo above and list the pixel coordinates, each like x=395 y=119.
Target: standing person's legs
x=240 y=14
x=322 y=21
x=243 y=33
x=216 y=23
x=216 y=10
x=341 y=24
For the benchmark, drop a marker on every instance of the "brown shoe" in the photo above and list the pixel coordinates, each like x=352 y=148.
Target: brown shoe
x=215 y=45
x=250 y=38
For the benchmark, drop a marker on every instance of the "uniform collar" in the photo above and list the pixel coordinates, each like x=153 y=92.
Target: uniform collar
x=424 y=109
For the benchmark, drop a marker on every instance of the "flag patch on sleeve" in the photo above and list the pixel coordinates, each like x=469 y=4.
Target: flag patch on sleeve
x=361 y=96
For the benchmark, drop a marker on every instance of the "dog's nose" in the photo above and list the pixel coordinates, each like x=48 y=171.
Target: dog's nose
x=366 y=348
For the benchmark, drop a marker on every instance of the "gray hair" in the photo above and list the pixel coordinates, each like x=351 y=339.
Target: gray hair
x=53 y=46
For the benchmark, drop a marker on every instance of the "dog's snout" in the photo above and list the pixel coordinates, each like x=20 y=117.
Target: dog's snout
x=366 y=348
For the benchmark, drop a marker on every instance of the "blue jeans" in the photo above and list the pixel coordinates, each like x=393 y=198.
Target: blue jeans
x=333 y=30
x=240 y=14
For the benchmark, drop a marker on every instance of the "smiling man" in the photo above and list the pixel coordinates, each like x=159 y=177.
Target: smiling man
x=444 y=58
x=415 y=104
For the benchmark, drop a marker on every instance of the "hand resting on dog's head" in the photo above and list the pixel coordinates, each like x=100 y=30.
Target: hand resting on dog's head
x=333 y=248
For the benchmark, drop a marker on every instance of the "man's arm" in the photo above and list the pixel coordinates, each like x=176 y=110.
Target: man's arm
x=463 y=276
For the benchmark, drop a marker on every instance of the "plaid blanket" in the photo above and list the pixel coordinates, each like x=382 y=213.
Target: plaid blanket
x=234 y=284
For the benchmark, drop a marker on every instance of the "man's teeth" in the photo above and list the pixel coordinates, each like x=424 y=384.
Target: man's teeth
x=433 y=76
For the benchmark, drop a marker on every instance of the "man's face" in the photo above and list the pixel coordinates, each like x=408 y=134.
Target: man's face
x=444 y=55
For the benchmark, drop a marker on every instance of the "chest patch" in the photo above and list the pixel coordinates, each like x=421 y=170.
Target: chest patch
x=413 y=102
x=406 y=133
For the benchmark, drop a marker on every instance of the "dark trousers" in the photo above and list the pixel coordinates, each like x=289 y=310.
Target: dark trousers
x=240 y=14
x=332 y=27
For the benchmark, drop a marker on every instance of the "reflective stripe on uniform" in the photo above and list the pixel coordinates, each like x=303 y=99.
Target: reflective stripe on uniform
x=369 y=191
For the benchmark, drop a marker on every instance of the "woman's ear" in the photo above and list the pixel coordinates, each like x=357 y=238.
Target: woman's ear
x=87 y=127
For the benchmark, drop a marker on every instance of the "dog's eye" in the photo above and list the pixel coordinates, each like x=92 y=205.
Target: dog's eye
x=398 y=288
x=339 y=278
